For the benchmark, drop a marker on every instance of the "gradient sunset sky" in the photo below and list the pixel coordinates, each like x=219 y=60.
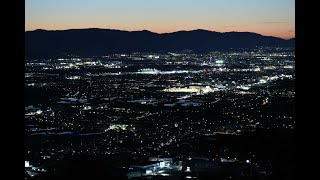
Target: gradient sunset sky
x=266 y=17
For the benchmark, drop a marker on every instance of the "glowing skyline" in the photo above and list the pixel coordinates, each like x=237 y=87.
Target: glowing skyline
x=266 y=17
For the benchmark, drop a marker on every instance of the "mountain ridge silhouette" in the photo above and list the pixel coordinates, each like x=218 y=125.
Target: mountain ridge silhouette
x=96 y=41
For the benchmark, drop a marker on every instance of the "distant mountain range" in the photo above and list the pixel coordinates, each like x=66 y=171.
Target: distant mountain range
x=93 y=41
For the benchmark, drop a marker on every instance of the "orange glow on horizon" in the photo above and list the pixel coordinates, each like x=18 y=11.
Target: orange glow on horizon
x=287 y=35
x=284 y=31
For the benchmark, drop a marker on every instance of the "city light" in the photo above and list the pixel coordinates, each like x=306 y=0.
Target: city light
x=179 y=108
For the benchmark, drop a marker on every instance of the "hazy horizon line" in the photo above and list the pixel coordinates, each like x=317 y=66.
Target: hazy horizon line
x=158 y=32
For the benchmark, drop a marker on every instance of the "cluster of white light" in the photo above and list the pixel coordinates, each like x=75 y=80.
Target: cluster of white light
x=262 y=81
x=156 y=71
x=288 y=67
x=148 y=71
x=117 y=127
x=191 y=89
x=39 y=112
x=243 y=87
x=26 y=164
x=219 y=61
x=87 y=108
x=256 y=69
x=73 y=77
